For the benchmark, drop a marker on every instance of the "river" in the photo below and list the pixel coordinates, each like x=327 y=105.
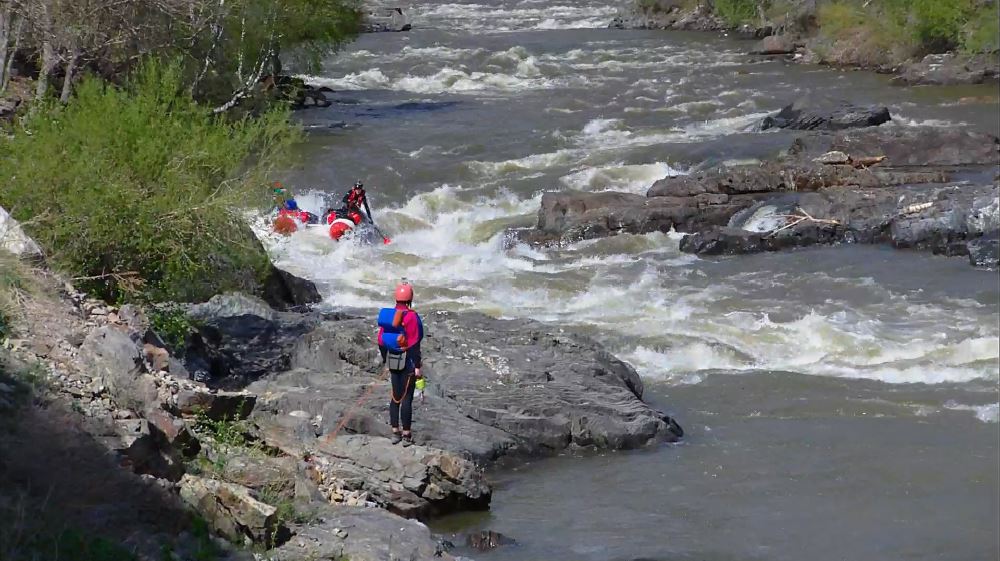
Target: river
x=840 y=403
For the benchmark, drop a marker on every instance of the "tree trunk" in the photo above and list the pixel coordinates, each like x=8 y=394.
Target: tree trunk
x=67 y=88
x=11 y=54
x=6 y=13
x=47 y=63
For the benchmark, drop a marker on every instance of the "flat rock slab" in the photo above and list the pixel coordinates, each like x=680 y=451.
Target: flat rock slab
x=359 y=534
x=497 y=387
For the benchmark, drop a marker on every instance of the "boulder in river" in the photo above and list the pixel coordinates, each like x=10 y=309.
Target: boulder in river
x=803 y=116
x=774 y=45
x=950 y=69
x=799 y=201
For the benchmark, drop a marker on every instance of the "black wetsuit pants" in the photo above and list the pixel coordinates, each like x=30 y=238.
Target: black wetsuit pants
x=401 y=400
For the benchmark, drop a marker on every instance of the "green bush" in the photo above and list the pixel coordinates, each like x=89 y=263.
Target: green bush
x=139 y=190
x=840 y=19
x=173 y=325
x=938 y=23
x=736 y=12
x=981 y=34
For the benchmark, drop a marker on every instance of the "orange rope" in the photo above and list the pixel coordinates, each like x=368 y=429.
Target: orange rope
x=361 y=401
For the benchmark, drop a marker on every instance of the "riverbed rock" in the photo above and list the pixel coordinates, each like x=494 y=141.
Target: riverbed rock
x=488 y=540
x=774 y=45
x=804 y=116
x=909 y=199
x=385 y=16
x=233 y=511
x=950 y=69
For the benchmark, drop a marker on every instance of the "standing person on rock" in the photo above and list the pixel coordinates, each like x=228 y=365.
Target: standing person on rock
x=400 y=331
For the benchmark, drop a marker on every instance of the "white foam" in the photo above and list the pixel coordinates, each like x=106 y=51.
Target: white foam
x=986 y=413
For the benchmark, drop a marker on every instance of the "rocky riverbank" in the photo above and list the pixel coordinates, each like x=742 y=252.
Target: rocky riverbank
x=282 y=444
x=794 y=35
x=915 y=188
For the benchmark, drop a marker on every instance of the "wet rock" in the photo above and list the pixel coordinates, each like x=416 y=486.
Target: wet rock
x=385 y=16
x=774 y=45
x=985 y=251
x=232 y=511
x=569 y=216
x=488 y=540
x=950 y=69
x=359 y=534
x=803 y=116
x=283 y=289
x=933 y=217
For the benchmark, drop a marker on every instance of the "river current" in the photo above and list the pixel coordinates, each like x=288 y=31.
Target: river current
x=840 y=403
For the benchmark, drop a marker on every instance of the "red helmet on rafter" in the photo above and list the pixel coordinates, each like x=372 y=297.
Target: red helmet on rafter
x=404 y=292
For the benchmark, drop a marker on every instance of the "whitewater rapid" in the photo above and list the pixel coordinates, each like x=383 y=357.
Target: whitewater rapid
x=459 y=129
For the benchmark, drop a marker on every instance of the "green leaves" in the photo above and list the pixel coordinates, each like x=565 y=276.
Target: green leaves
x=141 y=190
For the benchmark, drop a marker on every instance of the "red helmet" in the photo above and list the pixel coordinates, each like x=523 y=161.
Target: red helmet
x=404 y=292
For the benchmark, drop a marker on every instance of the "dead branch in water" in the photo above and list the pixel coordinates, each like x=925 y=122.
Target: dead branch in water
x=797 y=219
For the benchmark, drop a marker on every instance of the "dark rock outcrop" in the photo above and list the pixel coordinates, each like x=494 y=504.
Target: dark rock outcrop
x=241 y=338
x=283 y=289
x=802 y=116
x=895 y=186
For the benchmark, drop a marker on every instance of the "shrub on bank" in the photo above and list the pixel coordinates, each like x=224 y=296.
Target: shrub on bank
x=138 y=190
x=907 y=28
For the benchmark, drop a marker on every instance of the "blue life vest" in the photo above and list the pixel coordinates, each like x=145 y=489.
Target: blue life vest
x=393 y=333
x=290 y=204
x=393 y=337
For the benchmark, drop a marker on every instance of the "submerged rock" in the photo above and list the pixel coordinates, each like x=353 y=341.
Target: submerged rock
x=488 y=540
